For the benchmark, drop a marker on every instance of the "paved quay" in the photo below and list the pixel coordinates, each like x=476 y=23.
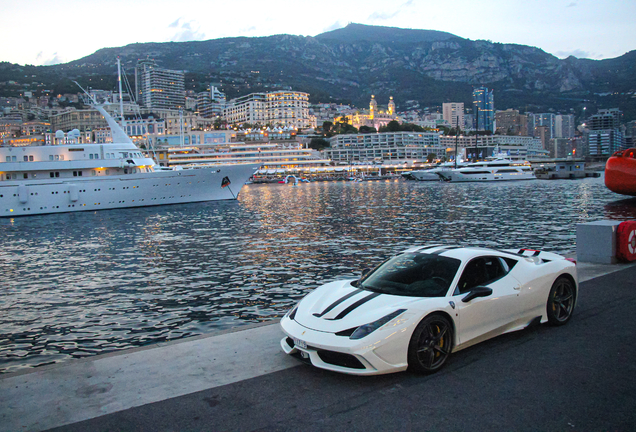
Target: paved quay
x=578 y=377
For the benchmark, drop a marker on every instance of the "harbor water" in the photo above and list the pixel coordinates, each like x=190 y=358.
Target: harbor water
x=79 y=284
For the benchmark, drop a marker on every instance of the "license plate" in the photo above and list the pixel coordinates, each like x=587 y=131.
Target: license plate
x=300 y=344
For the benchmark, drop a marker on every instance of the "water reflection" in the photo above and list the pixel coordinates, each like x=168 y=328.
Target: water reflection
x=73 y=285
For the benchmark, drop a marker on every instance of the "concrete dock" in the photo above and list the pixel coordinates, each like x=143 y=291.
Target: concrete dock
x=577 y=377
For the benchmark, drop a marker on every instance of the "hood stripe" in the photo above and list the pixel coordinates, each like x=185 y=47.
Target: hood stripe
x=337 y=302
x=353 y=306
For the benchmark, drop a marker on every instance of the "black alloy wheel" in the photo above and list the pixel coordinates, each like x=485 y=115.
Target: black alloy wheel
x=430 y=344
x=561 y=301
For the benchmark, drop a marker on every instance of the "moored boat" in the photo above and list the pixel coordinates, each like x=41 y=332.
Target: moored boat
x=620 y=172
x=85 y=177
x=490 y=170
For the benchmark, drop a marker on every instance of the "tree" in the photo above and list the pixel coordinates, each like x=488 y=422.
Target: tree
x=431 y=157
x=392 y=126
x=367 y=129
x=318 y=143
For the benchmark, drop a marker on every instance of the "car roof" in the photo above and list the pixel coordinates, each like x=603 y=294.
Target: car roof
x=463 y=253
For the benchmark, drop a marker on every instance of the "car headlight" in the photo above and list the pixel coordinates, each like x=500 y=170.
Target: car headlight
x=365 y=330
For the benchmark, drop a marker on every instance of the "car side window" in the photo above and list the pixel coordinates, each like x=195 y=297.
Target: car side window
x=480 y=271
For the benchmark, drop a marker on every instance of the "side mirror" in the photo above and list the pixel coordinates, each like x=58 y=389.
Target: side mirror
x=479 y=291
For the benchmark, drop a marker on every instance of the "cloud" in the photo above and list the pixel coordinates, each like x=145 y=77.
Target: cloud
x=47 y=60
x=571 y=4
x=186 y=31
x=384 y=16
x=335 y=26
x=379 y=16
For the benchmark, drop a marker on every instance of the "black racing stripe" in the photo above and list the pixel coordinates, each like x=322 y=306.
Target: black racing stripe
x=355 y=305
x=337 y=302
x=430 y=246
x=445 y=249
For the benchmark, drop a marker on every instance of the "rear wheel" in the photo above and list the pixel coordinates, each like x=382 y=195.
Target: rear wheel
x=561 y=301
x=430 y=344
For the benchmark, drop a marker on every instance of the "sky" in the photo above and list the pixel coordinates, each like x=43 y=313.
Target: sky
x=44 y=32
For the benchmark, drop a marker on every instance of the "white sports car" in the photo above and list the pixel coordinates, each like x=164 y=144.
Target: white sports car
x=416 y=308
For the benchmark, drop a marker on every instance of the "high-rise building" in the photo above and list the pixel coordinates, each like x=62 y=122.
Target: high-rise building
x=159 y=88
x=604 y=142
x=484 y=109
x=547 y=120
x=564 y=126
x=543 y=133
x=453 y=113
x=605 y=119
x=510 y=122
x=604 y=136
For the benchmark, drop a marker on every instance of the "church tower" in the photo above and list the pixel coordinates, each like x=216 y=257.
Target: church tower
x=391 y=106
x=373 y=108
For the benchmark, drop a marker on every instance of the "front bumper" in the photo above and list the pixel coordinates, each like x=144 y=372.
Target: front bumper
x=384 y=351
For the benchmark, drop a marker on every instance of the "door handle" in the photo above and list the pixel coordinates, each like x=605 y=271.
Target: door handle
x=516 y=287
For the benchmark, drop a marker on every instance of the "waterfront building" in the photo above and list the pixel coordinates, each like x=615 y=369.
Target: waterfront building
x=510 y=122
x=386 y=147
x=158 y=87
x=484 y=109
x=278 y=150
x=284 y=107
x=453 y=113
x=477 y=147
x=564 y=126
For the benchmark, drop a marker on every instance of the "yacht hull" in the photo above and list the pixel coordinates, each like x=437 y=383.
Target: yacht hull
x=451 y=176
x=210 y=183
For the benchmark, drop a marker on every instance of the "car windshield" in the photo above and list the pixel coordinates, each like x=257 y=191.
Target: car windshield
x=413 y=274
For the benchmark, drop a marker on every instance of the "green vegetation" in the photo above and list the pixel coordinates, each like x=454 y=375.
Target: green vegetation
x=395 y=126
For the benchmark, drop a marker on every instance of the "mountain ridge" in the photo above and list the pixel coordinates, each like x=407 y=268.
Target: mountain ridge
x=423 y=67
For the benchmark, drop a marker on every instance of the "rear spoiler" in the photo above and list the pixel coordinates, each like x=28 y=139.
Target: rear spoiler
x=544 y=256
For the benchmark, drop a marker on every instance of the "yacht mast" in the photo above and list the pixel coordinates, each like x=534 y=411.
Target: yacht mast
x=121 y=99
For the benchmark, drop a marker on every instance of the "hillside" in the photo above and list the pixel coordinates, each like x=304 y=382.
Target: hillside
x=423 y=67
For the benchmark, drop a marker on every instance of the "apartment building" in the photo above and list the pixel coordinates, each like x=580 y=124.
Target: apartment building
x=453 y=113
x=395 y=147
x=285 y=107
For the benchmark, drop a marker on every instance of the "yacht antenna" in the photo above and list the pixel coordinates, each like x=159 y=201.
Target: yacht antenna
x=90 y=96
x=181 y=126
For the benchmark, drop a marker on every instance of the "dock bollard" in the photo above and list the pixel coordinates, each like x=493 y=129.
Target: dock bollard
x=596 y=242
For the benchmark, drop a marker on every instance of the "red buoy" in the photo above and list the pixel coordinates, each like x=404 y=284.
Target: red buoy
x=626 y=241
x=620 y=172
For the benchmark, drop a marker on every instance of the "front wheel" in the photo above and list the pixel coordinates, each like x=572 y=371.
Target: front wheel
x=430 y=344
x=561 y=301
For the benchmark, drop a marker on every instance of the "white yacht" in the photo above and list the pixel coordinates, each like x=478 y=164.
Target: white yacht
x=490 y=170
x=85 y=177
x=432 y=173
